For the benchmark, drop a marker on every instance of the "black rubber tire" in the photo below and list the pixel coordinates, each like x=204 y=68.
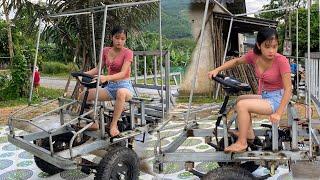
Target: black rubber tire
x=118 y=157
x=250 y=166
x=44 y=165
x=61 y=143
x=229 y=173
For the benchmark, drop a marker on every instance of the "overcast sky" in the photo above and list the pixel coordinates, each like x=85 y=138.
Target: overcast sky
x=255 y=5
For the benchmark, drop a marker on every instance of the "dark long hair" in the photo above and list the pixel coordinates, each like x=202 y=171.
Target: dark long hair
x=117 y=30
x=263 y=35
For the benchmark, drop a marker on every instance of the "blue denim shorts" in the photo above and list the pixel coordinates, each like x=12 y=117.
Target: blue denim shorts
x=113 y=86
x=273 y=97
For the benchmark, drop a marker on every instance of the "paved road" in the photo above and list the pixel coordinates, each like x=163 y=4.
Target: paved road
x=57 y=83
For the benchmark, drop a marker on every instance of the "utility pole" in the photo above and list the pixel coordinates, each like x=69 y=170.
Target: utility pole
x=289 y=13
x=287 y=44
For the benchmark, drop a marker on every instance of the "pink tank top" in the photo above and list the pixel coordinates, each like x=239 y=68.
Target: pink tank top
x=270 y=79
x=116 y=65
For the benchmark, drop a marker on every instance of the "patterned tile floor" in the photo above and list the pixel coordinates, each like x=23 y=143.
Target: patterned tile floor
x=18 y=164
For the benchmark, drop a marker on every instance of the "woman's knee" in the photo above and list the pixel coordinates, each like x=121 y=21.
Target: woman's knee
x=241 y=106
x=240 y=98
x=91 y=94
x=121 y=94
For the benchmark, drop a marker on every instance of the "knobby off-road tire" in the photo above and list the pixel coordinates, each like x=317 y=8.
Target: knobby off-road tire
x=118 y=163
x=44 y=165
x=61 y=142
x=228 y=173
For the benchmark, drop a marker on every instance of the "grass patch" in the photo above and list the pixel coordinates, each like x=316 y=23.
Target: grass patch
x=11 y=103
x=150 y=81
x=59 y=75
x=200 y=99
x=50 y=93
x=44 y=94
x=195 y=99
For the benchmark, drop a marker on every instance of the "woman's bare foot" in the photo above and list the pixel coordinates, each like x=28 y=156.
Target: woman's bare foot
x=114 y=131
x=236 y=148
x=93 y=127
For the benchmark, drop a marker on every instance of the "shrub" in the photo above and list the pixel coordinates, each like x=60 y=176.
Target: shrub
x=19 y=83
x=58 y=68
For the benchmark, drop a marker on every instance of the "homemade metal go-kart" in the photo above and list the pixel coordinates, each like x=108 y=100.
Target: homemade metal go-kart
x=296 y=145
x=271 y=147
x=58 y=142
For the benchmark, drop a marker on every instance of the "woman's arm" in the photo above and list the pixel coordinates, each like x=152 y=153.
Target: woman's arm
x=286 y=80
x=227 y=65
x=93 y=71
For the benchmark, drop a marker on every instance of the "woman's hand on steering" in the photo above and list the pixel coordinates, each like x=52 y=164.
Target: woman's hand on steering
x=103 y=79
x=212 y=73
x=274 y=118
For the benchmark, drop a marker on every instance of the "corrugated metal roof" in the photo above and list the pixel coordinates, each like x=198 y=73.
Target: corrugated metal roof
x=246 y=24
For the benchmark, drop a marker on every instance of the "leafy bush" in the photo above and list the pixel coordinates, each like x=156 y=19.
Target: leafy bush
x=19 y=84
x=51 y=52
x=58 y=68
x=4 y=82
x=180 y=49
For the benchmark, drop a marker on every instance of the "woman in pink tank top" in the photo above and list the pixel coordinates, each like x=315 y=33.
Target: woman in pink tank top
x=274 y=90
x=117 y=60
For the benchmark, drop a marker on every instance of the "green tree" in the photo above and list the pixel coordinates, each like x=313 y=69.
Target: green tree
x=275 y=4
x=180 y=49
x=3 y=40
x=73 y=34
x=282 y=19
x=303 y=31
x=6 y=9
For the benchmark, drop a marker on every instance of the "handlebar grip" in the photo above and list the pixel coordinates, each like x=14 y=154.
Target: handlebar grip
x=79 y=73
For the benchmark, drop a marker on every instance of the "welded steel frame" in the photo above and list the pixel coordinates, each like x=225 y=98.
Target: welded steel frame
x=67 y=159
x=168 y=154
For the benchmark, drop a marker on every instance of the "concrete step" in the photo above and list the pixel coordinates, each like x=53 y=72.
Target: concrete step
x=305 y=170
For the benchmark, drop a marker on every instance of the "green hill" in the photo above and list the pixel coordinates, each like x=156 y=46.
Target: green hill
x=175 y=23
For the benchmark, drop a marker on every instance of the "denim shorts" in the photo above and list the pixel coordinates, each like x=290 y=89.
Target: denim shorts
x=273 y=97
x=113 y=86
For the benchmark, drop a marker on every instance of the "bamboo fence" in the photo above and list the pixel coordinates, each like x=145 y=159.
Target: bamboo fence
x=245 y=73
